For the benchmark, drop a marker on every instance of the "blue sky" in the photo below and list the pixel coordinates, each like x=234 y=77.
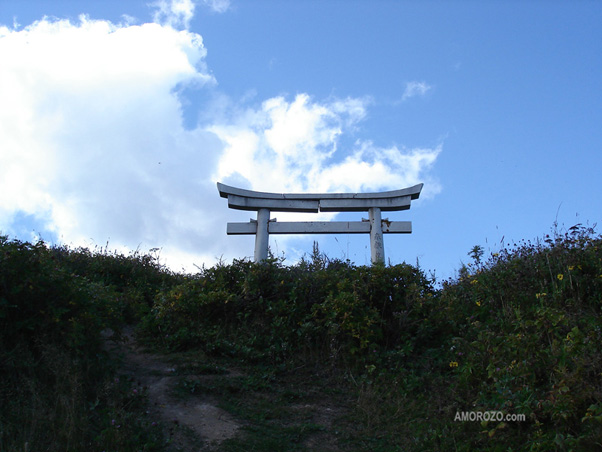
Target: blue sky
x=117 y=118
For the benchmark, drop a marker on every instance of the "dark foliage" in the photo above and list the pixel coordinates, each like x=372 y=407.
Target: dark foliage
x=517 y=333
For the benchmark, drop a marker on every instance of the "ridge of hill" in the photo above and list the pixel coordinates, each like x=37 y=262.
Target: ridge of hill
x=329 y=355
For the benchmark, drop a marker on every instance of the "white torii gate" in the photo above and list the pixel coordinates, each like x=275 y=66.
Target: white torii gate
x=373 y=203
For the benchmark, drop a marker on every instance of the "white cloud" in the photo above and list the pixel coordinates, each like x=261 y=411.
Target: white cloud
x=414 y=89
x=293 y=147
x=219 y=6
x=92 y=141
x=179 y=13
x=174 y=13
x=91 y=134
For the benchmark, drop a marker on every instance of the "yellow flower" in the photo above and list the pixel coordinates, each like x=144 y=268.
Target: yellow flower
x=479 y=303
x=453 y=364
x=571 y=268
x=540 y=295
x=560 y=276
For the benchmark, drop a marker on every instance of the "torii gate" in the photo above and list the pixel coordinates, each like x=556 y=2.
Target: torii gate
x=373 y=203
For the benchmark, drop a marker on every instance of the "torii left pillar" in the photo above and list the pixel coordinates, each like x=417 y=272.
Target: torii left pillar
x=262 y=237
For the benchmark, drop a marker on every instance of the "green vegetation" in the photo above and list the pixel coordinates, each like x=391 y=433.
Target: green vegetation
x=388 y=358
x=58 y=387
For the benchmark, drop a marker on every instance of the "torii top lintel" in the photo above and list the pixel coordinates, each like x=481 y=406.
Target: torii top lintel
x=242 y=199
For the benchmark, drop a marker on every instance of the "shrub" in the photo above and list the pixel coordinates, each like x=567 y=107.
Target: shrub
x=54 y=370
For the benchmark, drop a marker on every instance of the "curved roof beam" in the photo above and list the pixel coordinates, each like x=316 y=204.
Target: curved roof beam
x=225 y=190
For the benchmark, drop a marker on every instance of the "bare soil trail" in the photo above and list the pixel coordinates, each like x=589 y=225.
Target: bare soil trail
x=195 y=423
x=186 y=393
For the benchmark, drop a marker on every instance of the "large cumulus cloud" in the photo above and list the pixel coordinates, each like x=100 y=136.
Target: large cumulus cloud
x=93 y=143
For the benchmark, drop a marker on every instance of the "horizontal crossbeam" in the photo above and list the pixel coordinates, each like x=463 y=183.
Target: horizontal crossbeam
x=363 y=205
x=324 y=205
x=320 y=227
x=275 y=205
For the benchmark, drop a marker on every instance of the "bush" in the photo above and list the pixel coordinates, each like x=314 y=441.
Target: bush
x=54 y=371
x=527 y=335
x=316 y=311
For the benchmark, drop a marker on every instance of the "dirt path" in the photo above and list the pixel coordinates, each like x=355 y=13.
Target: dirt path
x=195 y=424
x=297 y=410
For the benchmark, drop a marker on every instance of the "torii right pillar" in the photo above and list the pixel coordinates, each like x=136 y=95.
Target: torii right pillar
x=377 y=247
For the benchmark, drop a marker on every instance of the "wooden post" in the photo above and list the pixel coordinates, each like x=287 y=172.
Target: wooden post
x=377 y=247
x=262 y=238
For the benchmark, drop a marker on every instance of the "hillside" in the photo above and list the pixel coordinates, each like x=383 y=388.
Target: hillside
x=320 y=355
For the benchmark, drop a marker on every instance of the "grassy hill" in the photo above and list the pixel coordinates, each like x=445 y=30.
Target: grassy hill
x=512 y=345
